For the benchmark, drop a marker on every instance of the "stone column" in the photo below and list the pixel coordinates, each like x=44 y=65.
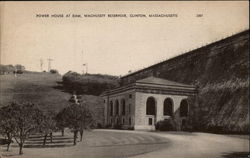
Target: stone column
x=159 y=110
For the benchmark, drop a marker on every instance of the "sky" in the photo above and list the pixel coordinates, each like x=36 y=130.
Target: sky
x=112 y=45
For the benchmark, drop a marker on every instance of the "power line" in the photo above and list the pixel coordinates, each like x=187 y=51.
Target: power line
x=49 y=64
x=41 y=64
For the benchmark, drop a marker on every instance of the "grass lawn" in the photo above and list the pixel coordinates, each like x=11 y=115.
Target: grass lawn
x=44 y=90
x=38 y=88
x=96 y=144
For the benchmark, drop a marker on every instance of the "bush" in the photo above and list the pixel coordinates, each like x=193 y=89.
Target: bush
x=166 y=125
x=19 y=72
x=108 y=126
x=53 y=71
x=118 y=126
x=93 y=84
x=131 y=128
x=99 y=126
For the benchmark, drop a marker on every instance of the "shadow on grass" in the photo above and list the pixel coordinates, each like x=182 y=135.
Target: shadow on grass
x=48 y=146
x=6 y=154
x=36 y=141
x=53 y=142
x=236 y=155
x=41 y=139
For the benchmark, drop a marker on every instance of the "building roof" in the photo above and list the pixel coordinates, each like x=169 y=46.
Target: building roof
x=160 y=81
x=157 y=85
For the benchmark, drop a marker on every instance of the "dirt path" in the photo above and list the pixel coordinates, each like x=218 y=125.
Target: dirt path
x=200 y=145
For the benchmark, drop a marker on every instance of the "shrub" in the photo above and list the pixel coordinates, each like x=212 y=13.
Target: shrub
x=99 y=125
x=108 y=126
x=53 y=71
x=131 y=128
x=93 y=84
x=166 y=125
x=118 y=126
x=19 y=72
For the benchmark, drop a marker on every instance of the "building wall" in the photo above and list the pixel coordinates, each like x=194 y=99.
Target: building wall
x=129 y=97
x=141 y=119
x=135 y=109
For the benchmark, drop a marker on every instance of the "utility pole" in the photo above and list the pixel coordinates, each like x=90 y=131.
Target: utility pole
x=41 y=64
x=49 y=64
x=84 y=64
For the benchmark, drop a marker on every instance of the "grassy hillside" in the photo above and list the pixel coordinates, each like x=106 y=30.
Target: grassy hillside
x=41 y=89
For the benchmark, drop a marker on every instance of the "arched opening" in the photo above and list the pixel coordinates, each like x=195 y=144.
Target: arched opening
x=184 y=108
x=117 y=107
x=168 y=108
x=151 y=106
x=123 y=107
x=111 y=108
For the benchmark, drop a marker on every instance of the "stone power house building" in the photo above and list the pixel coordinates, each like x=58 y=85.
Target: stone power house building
x=144 y=102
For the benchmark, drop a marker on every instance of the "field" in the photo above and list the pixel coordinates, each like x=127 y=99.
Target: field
x=38 y=88
x=44 y=90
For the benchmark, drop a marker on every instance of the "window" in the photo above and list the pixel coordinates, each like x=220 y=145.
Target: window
x=117 y=107
x=104 y=101
x=123 y=121
x=150 y=106
x=150 y=121
x=111 y=108
x=168 y=107
x=129 y=120
x=123 y=107
x=130 y=95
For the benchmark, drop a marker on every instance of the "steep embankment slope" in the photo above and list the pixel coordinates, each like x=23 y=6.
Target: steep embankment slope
x=42 y=89
x=220 y=70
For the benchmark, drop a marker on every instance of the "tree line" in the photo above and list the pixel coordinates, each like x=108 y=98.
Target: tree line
x=92 y=84
x=6 y=69
x=18 y=121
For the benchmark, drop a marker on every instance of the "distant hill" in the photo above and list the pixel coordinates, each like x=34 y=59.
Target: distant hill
x=93 y=84
x=221 y=71
x=43 y=89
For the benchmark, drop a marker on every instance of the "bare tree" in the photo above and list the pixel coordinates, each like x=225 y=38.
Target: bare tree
x=77 y=117
x=6 y=125
x=25 y=119
x=86 y=120
x=61 y=122
x=48 y=125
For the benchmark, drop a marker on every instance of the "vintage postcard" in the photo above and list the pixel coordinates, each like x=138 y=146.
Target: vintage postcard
x=116 y=79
